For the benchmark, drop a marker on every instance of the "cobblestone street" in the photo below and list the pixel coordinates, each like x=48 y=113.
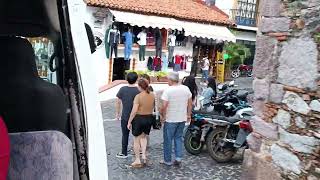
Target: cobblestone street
x=193 y=167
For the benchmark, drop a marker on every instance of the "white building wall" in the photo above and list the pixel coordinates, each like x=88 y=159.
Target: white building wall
x=246 y=35
x=99 y=57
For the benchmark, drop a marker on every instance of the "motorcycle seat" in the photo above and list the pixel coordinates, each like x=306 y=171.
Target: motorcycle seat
x=201 y=112
x=243 y=96
x=229 y=119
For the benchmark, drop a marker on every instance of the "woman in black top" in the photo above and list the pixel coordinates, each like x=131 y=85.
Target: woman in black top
x=190 y=82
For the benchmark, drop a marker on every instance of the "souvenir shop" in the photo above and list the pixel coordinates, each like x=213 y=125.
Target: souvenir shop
x=141 y=48
x=143 y=42
x=206 y=48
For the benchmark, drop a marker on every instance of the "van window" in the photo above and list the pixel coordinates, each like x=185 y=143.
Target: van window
x=44 y=49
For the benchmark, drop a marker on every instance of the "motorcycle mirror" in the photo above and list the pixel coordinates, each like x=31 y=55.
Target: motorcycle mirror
x=231 y=83
x=228 y=104
x=220 y=86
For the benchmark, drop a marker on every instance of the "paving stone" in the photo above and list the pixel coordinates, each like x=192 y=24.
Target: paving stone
x=270 y=8
x=281 y=24
x=315 y=105
x=304 y=144
x=276 y=93
x=254 y=143
x=296 y=103
x=285 y=159
x=298 y=63
x=283 y=118
x=261 y=89
x=265 y=129
x=264 y=63
x=193 y=167
x=255 y=168
x=299 y=122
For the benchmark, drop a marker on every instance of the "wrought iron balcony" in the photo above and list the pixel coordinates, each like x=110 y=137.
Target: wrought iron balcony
x=245 y=17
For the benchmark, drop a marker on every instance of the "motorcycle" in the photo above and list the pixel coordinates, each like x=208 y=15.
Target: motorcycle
x=201 y=124
x=242 y=70
x=228 y=135
x=193 y=138
x=221 y=93
x=230 y=103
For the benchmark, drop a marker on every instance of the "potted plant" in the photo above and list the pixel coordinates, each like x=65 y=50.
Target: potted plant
x=162 y=76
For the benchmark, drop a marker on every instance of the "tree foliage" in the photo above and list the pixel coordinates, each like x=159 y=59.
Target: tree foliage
x=237 y=53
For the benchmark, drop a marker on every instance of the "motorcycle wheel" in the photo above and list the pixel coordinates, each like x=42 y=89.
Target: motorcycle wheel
x=235 y=73
x=217 y=152
x=249 y=73
x=192 y=144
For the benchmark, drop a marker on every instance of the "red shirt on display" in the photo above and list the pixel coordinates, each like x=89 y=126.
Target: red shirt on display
x=178 y=59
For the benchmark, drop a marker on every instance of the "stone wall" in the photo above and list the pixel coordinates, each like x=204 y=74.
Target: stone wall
x=285 y=143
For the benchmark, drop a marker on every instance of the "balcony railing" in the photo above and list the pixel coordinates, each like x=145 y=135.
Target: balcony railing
x=245 y=17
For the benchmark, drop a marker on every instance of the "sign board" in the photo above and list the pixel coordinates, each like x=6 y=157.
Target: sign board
x=220 y=67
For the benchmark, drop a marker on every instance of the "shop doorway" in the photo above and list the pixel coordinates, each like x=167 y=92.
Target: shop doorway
x=202 y=50
x=119 y=68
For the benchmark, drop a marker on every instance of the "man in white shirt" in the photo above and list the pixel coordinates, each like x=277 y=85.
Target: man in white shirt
x=175 y=111
x=142 y=36
x=172 y=43
x=205 y=69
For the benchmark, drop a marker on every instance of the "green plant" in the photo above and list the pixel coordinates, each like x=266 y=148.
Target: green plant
x=161 y=74
x=237 y=53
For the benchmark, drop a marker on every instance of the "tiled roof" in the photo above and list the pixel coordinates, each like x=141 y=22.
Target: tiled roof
x=189 y=10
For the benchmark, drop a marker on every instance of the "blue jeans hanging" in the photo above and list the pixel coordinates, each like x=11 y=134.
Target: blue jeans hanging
x=127 y=51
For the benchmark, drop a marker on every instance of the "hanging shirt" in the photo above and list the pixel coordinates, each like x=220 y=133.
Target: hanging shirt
x=114 y=36
x=143 y=38
x=172 y=40
x=164 y=64
x=106 y=43
x=128 y=37
x=178 y=59
x=157 y=64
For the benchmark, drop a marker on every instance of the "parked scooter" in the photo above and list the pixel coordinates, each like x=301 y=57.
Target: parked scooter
x=222 y=90
x=242 y=70
x=201 y=124
x=230 y=103
x=228 y=135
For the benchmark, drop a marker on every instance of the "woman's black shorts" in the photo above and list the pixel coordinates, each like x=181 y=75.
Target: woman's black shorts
x=142 y=124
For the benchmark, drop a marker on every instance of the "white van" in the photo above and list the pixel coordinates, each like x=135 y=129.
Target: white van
x=48 y=93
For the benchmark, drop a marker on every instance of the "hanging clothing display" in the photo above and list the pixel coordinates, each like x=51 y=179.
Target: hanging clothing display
x=172 y=44
x=164 y=67
x=106 y=42
x=183 y=63
x=158 y=37
x=157 y=64
x=150 y=63
x=114 y=39
x=128 y=36
x=150 y=39
x=180 y=38
x=177 y=63
x=142 y=36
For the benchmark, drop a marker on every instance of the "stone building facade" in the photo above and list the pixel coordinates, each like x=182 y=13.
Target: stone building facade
x=285 y=143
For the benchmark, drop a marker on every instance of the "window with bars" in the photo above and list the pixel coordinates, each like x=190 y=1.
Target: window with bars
x=246 y=13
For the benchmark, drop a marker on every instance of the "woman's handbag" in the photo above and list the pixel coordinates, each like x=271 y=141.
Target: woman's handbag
x=156 y=123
